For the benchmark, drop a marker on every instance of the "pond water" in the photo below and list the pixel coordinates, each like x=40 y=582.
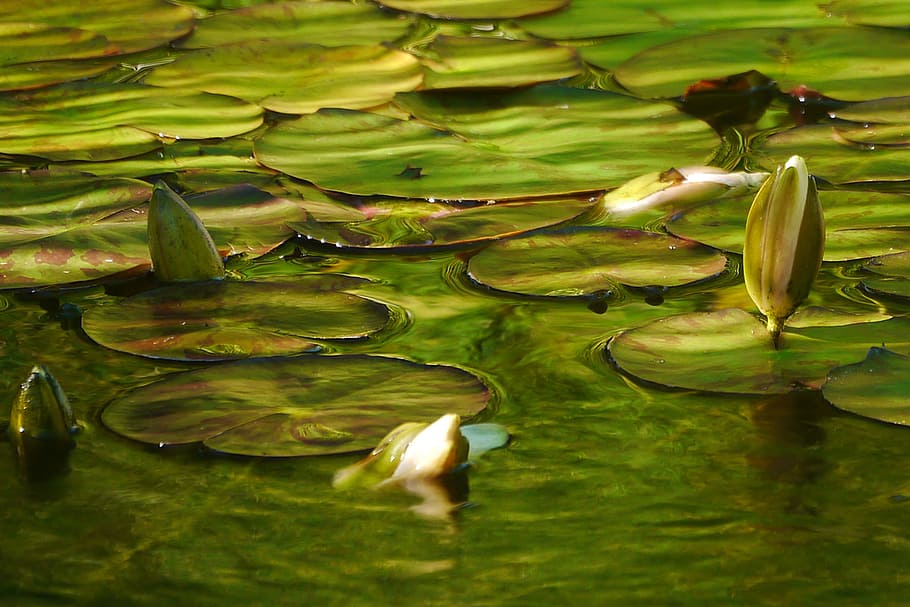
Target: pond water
x=613 y=490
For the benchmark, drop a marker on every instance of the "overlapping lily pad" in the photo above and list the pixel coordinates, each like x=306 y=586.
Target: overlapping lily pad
x=58 y=250
x=293 y=77
x=309 y=405
x=324 y=23
x=893 y=276
x=226 y=320
x=878 y=65
x=859 y=224
x=129 y=25
x=93 y=121
x=842 y=153
x=396 y=223
x=877 y=387
x=538 y=142
x=476 y=9
x=588 y=261
x=465 y=62
x=730 y=351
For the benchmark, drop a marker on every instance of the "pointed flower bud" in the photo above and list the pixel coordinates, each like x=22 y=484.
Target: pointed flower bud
x=179 y=245
x=784 y=243
x=41 y=425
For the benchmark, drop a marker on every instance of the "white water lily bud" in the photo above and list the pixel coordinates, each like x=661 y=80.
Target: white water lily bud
x=685 y=186
x=179 y=245
x=437 y=450
x=784 y=243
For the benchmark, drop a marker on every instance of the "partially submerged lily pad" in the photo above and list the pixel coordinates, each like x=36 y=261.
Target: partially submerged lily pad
x=308 y=405
x=93 y=121
x=588 y=261
x=294 y=77
x=476 y=9
x=859 y=224
x=730 y=351
x=877 y=387
x=229 y=320
x=539 y=142
x=466 y=62
x=814 y=57
x=325 y=23
x=397 y=223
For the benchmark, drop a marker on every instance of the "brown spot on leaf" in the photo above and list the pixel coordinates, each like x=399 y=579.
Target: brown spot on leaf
x=54 y=257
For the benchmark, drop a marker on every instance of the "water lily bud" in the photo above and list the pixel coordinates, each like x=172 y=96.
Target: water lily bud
x=681 y=187
x=41 y=425
x=179 y=245
x=410 y=451
x=784 y=243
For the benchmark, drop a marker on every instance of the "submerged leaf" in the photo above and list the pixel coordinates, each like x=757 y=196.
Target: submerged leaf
x=268 y=407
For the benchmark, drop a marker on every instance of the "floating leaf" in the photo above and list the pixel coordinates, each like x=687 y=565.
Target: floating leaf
x=130 y=25
x=543 y=141
x=483 y=438
x=293 y=77
x=889 y=13
x=878 y=65
x=309 y=405
x=476 y=9
x=30 y=42
x=859 y=224
x=587 y=261
x=465 y=62
x=92 y=121
x=230 y=320
x=240 y=220
x=397 y=223
x=730 y=351
x=876 y=387
x=324 y=23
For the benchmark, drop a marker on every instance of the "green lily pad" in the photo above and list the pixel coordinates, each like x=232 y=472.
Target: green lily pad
x=240 y=220
x=730 y=351
x=586 y=19
x=878 y=65
x=887 y=13
x=226 y=320
x=23 y=76
x=91 y=121
x=587 y=261
x=309 y=405
x=31 y=42
x=130 y=25
x=841 y=154
x=538 y=142
x=859 y=224
x=465 y=62
x=897 y=265
x=396 y=223
x=324 y=23
x=293 y=77
x=877 y=387
x=475 y=9
x=894 y=272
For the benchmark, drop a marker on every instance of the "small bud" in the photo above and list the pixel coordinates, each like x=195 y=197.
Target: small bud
x=179 y=245
x=784 y=243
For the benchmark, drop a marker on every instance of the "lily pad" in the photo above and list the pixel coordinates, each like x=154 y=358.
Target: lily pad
x=240 y=220
x=538 y=142
x=324 y=23
x=92 y=121
x=878 y=65
x=465 y=62
x=484 y=437
x=396 y=223
x=876 y=387
x=226 y=320
x=293 y=77
x=887 y=13
x=308 y=405
x=130 y=25
x=475 y=9
x=841 y=154
x=859 y=224
x=587 y=261
x=23 y=76
x=730 y=351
